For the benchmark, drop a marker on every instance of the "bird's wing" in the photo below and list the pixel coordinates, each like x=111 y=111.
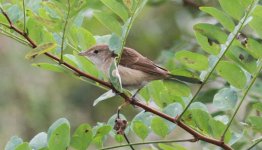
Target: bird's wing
x=132 y=59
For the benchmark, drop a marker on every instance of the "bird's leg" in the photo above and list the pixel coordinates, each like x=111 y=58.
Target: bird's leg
x=137 y=91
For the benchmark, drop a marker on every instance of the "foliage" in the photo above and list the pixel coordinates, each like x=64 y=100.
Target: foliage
x=226 y=51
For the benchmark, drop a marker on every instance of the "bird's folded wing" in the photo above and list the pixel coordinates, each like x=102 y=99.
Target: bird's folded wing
x=132 y=59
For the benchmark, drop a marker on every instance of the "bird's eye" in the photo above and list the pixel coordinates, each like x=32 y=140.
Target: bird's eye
x=96 y=51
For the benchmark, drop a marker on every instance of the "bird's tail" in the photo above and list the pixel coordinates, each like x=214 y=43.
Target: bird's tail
x=184 y=78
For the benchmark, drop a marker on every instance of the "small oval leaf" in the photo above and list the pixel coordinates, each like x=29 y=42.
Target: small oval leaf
x=232 y=73
x=225 y=99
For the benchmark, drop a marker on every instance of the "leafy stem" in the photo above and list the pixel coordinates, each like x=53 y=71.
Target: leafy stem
x=24 y=15
x=224 y=48
x=125 y=34
x=253 y=145
x=243 y=97
x=64 y=31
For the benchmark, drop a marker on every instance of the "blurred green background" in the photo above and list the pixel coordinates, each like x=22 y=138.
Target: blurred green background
x=31 y=98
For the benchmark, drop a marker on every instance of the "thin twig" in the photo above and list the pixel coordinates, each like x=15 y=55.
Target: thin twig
x=132 y=18
x=24 y=15
x=149 y=142
x=253 y=145
x=128 y=142
x=252 y=5
x=242 y=99
x=18 y=39
x=118 y=117
x=64 y=32
x=5 y=25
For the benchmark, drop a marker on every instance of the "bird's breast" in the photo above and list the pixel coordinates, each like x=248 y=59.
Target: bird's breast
x=134 y=78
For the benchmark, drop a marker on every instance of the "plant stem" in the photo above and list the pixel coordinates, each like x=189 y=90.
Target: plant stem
x=243 y=97
x=24 y=16
x=149 y=142
x=132 y=18
x=18 y=39
x=64 y=32
x=253 y=145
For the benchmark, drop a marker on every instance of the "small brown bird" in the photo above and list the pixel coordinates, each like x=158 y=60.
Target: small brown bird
x=135 y=70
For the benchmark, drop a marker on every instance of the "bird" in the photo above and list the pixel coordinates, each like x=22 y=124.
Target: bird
x=134 y=69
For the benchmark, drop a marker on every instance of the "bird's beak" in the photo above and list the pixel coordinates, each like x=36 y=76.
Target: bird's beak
x=83 y=53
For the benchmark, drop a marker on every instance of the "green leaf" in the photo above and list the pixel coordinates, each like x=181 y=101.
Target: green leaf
x=226 y=21
x=256 y=122
x=13 y=143
x=253 y=47
x=38 y=32
x=100 y=134
x=115 y=43
x=130 y=4
x=39 y=141
x=166 y=147
x=119 y=138
x=104 y=97
x=199 y=105
x=256 y=21
x=225 y=99
x=82 y=137
x=173 y=147
x=117 y=8
x=177 y=88
x=140 y=129
x=173 y=110
x=144 y=92
x=109 y=21
x=233 y=8
x=115 y=78
x=82 y=63
x=258 y=106
x=103 y=39
x=41 y=49
x=59 y=134
x=44 y=18
x=183 y=72
x=50 y=67
x=207 y=45
x=3 y=19
x=159 y=126
x=213 y=33
x=23 y=146
x=157 y=91
x=14 y=13
x=192 y=60
x=201 y=119
x=218 y=128
x=241 y=57
x=145 y=117
x=232 y=73
x=81 y=38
